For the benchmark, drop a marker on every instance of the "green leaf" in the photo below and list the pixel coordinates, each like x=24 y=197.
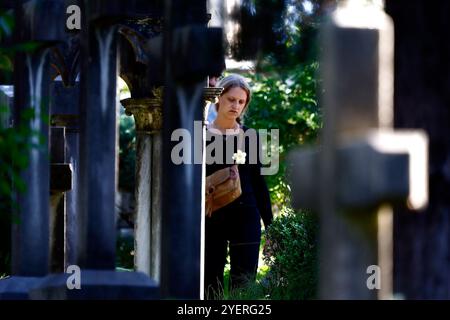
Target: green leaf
x=7 y=23
x=5 y=63
x=5 y=187
x=20 y=185
x=28 y=114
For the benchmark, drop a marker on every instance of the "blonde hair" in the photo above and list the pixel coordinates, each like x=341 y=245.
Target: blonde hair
x=235 y=81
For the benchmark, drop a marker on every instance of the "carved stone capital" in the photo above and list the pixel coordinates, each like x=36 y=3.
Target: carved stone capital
x=147 y=112
x=210 y=95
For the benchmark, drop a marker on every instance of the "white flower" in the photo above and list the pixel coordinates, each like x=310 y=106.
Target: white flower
x=239 y=157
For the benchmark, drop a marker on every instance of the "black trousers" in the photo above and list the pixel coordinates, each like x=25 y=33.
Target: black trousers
x=237 y=229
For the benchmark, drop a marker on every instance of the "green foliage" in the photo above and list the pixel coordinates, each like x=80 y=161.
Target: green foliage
x=291 y=270
x=292 y=257
x=285 y=89
x=286 y=101
x=127 y=153
x=6 y=27
x=5 y=244
x=13 y=158
x=15 y=144
x=252 y=290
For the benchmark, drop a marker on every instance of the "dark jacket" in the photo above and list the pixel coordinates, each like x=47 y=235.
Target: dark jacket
x=254 y=188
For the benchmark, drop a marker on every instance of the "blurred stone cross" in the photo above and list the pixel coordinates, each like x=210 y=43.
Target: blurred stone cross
x=363 y=166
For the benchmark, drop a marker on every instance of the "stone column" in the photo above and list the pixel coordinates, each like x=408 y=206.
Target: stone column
x=60 y=183
x=98 y=143
x=210 y=95
x=30 y=255
x=147 y=113
x=190 y=54
x=30 y=237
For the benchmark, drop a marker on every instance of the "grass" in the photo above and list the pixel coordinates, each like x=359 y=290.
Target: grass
x=252 y=291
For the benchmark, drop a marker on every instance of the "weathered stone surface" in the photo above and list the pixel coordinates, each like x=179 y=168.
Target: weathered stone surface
x=17 y=288
x=97 y=285
x=357 y=170
x=30 y=238
x=64 y=111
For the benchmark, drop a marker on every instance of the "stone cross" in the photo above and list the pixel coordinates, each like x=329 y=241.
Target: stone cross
x=64 y=111
x=60 y=183
x=363 y=166
x=31 y=235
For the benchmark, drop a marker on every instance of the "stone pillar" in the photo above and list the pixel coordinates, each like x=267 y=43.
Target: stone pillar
x=182 y=192
x=147 y=113
x=30 y=255
x=6 y=101
x=98 y=143
x=30 y=237
x=190 y=53
x=210 y=95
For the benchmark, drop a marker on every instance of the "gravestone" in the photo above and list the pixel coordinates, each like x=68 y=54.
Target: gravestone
x=60 y=182
x=64 y=106
x=363 y=166
x=145 y=105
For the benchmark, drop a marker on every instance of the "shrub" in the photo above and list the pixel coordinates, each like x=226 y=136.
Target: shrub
x=291 y=254
x=286 y=101
x=15 y=142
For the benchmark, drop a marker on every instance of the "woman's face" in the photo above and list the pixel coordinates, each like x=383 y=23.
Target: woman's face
x=232 y=103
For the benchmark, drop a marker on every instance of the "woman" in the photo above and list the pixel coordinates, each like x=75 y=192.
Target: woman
x=238 y=224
